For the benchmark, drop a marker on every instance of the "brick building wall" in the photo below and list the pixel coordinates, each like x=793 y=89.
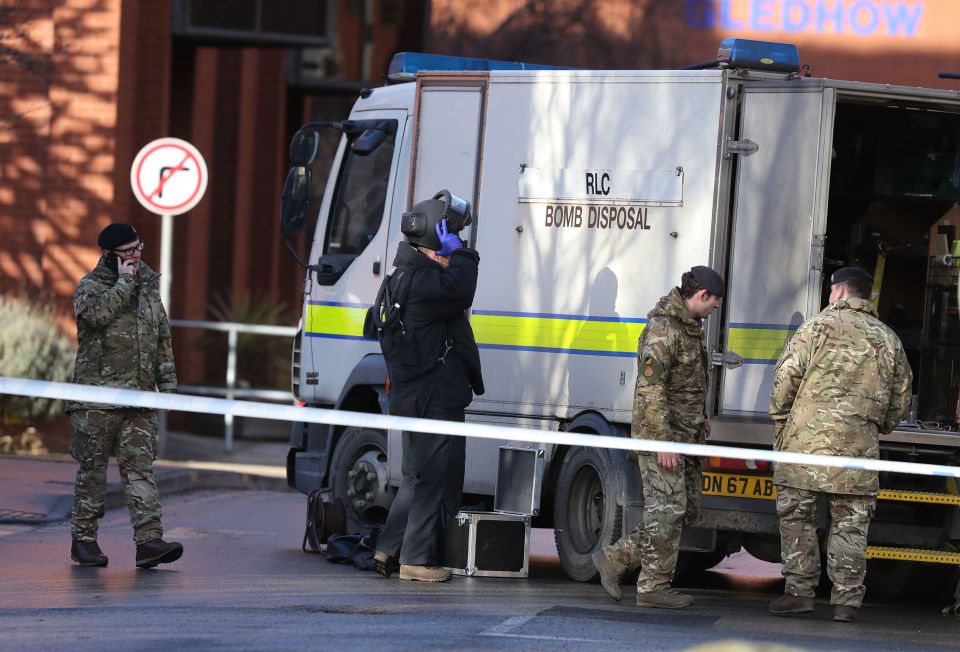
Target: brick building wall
x=95 y=82
x=886 y=41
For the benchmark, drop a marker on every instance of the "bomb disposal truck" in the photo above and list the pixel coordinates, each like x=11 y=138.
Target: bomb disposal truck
x=593 y=191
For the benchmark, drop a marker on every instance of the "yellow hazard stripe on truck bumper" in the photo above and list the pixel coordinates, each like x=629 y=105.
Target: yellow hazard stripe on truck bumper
x=761 y=486
x=914 y=554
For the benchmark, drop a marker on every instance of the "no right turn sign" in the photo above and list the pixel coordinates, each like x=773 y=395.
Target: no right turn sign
x=168 y=176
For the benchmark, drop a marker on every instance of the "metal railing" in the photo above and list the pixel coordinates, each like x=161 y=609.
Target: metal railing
x=231 y=391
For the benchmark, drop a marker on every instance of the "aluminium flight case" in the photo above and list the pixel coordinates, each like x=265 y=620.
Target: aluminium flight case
x=497 y=544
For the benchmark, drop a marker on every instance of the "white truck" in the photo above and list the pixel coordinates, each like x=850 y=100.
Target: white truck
x=593 y=191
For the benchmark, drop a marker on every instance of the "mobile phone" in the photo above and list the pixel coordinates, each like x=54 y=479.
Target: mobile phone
x=113 y=262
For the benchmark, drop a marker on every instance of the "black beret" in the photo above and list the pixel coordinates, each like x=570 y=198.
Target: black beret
x=116 y=234
x=849 y=274
x=709 y=280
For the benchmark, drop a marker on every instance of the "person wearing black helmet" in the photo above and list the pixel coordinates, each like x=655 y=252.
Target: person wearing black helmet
x=434 y=371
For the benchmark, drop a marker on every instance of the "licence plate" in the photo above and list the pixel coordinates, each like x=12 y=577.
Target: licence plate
x=739 y=486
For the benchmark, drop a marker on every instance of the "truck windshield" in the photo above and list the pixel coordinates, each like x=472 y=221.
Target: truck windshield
x=359 y=197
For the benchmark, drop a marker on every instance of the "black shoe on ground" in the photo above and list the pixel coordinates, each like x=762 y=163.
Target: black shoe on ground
x=158 y=551
x=844 y=614
x=384 y=565
x=87 y=553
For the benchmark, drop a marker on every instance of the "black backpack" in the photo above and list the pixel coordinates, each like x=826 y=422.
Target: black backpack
x=406 y=358
x=384 y=317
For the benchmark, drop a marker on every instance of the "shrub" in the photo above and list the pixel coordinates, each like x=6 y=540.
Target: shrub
x=32 y=346
x=263 y=361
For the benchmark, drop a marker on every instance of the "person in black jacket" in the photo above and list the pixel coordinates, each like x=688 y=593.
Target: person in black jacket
x=434 y=370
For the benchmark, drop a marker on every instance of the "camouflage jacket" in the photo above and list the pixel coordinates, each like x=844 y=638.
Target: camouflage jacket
x=123 y=334
x=841 y=378
x=668 y=402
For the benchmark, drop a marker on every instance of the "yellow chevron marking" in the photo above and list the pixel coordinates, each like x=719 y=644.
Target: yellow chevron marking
x=919 y=497
x=914 y=554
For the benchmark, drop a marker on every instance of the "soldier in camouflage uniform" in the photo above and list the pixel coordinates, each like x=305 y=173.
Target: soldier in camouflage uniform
x=668 y=405
x=124 y=342
x=842 y=378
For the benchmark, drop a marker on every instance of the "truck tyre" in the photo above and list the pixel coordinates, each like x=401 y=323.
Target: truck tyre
x=586 y=513
x=359 y=476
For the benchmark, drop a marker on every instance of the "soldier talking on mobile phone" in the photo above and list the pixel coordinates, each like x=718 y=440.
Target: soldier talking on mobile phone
x=123 y=342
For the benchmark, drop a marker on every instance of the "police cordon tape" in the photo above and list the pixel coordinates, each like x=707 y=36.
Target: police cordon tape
x=205 y=405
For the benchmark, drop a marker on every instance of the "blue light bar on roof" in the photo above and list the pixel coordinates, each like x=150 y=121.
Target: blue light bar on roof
x=405 y=65
x=758 y=55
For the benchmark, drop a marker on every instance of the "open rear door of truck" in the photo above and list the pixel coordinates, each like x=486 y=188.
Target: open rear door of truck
x=776 y=246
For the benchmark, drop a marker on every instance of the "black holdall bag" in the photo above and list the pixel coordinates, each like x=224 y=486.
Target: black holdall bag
x=324 y=520
x=356 y=549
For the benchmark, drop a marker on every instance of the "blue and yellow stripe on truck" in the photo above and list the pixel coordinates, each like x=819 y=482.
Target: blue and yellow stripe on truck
x=758 y=343
x=335 y=320
x=552 y=333
x=555 y=333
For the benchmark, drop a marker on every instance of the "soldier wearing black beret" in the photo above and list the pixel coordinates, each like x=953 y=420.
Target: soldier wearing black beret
x=842 y=379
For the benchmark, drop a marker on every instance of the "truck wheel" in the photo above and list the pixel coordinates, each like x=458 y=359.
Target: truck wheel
x=586 y=513
x=359 y=476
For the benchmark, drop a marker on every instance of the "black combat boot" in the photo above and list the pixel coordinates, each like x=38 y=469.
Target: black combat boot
x=843 y=613
x=788 y=604
x=158 y=551
x=87 y=553
x=385 y=565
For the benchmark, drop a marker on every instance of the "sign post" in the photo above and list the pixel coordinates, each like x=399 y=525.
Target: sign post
x=168 y=177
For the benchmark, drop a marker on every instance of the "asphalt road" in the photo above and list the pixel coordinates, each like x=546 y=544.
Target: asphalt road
x=244 y=584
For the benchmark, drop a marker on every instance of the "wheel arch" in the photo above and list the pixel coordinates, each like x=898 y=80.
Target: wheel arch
x=593 y=422
x=363 y=391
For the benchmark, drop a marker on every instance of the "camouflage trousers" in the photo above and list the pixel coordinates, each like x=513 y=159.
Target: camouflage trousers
x=846 y=547
x=131 y=436
x=671 y=501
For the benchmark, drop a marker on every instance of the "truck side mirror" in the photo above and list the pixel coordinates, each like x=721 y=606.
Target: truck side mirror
x=295 y=200
x=304 y=147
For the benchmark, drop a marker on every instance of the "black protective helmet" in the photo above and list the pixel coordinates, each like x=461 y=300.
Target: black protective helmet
x=420 y=222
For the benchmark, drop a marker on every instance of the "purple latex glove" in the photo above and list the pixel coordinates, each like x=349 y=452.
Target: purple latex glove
x=449 y=242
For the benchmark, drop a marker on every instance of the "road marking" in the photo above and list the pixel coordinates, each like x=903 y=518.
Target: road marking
x=505 y=630
x=507 y=625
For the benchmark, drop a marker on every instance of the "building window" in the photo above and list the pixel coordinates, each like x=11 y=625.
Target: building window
x=279 y=22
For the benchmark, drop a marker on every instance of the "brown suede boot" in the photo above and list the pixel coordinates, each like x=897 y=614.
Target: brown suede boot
x=423 y=573
x=664 y=599
x=609 y=575
x=788 y=604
